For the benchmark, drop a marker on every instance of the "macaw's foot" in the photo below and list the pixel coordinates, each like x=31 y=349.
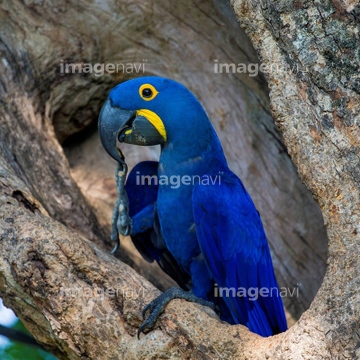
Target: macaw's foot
x=157 y=306
x=121 y=221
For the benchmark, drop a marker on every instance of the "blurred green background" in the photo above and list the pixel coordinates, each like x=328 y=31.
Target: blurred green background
x=14 y=350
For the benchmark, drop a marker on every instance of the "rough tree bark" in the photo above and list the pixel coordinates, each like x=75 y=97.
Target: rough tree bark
x=46 y=220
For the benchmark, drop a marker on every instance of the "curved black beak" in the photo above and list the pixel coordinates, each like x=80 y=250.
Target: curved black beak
x=112 y=120
x=117 y=125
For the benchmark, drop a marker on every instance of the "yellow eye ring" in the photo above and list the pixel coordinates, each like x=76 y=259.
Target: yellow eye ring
x=147 y=92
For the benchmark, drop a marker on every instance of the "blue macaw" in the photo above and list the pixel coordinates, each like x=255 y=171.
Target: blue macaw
x=205 y=232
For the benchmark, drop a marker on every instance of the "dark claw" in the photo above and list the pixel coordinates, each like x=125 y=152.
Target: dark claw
x=124 y=223
x=140 y=330
x=158 y=305
x=151 y=320
x=116 y=247
x=149 y=307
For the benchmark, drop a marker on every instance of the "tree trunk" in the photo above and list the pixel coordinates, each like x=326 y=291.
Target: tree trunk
x=74 y=297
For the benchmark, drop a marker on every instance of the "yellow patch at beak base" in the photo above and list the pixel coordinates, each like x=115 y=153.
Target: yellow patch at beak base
x=154 y=119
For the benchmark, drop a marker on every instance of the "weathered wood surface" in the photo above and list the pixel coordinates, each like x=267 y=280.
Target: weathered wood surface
x=318 y=112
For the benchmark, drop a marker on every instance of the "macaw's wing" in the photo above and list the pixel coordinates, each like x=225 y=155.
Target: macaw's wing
x=234 y=246
x=142 y=187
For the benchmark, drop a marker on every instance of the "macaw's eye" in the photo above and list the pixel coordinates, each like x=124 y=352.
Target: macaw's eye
x=147 y=92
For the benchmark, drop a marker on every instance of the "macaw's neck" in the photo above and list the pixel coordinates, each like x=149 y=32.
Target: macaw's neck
x=192 y=154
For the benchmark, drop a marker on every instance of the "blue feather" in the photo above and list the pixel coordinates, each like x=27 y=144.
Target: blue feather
x=234 y=245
